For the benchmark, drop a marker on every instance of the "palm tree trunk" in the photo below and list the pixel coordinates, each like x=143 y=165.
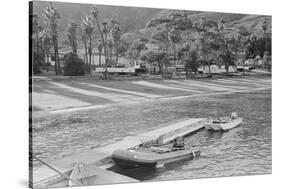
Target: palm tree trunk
x=104 y=46
x=37 y=41
x=47 y=63
x=86 y=52
x=106 y=53
x=102 y=38
x=243 y=67
x=99 y=58
x=90 y=54
x=93 y=57
x=58 y=59
x=43 y=53
x=56 y=63
x=116 y=53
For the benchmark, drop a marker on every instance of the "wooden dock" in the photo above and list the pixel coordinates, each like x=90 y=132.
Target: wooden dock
x=100 y=157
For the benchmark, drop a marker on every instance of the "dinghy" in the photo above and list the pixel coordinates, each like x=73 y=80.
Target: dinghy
x=153 y=156
x=223 y=123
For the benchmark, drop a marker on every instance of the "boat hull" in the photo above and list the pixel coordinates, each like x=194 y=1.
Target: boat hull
x=223 y=126
x=133 y=159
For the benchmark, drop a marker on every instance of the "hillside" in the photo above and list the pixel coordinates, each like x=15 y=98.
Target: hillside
x=251 y=23
x=130 y=18
x=133 y=20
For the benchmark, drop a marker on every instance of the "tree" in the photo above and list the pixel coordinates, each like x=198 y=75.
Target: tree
x=74 y=66
x=169 y=31
x=228 y=58
x=122 y=47
x=187 y=22
x=154 y=22
x=267 y=45
x=163 y=37
x=95 y=13
x=100 y=51
x=72 y=36
x=179 y=21
x=35 y=45
x=204 y=36
x=46 y=46
x=35 y=30
x=88 y=28
x=193 y=61
x=239 y=43
x=183 y=55
x=226 y=46
x=258 y=46
x=110 y=46
x=136 y=48
x=159 y=57
x=264 y=27
x=84 y=40
x=116 y=35
x=174 y=38
x=105 y=31
x=51 y=18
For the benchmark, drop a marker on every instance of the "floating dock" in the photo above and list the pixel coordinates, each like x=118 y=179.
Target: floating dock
x=100 y=158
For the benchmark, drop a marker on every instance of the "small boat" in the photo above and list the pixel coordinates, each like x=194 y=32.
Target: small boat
x=223 y=123
x=154 y=156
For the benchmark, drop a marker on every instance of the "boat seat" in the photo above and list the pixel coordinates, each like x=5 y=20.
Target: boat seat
x=160 y=149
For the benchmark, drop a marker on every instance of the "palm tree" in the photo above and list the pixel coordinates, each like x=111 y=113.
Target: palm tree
x=116 y=35
x=35 y=29
x=110 y=46
x=72 y=36
x=46 y=45
x=201 y=28
x=243 y=38
x=225 y=50
x=100 y=51
x=88 y=28
x=95 y=13
x=105 y=31
x=174 y=37
x=84 y=40
x=35 y=44
x=51 y=18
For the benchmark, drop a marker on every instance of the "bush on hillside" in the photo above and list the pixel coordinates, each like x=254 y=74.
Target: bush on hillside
x=73 y=65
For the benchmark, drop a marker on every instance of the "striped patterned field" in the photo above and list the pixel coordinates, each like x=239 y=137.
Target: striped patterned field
x=59 y=96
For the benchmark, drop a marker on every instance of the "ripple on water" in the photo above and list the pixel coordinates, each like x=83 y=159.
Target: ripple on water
x=240 y=151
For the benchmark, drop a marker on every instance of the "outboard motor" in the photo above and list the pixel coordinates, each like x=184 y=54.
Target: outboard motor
x=233 y=115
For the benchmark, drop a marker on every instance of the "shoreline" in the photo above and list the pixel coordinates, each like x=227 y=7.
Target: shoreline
x=114 y=77
x=42 y=114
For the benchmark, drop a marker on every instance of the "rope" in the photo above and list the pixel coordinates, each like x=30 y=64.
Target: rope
x=62 y=174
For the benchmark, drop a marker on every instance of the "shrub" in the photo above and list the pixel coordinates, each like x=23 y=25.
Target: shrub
x=37 y=62
x=73 y=65
x=258 y=47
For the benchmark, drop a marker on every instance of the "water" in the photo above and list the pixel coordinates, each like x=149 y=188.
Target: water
x=241 y=151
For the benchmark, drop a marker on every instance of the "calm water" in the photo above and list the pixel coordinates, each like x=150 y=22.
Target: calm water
x=240 y=151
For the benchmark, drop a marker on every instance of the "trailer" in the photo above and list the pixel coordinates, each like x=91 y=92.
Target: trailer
x=121 y=70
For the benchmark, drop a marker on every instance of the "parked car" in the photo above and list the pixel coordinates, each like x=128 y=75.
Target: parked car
x=250 y=63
